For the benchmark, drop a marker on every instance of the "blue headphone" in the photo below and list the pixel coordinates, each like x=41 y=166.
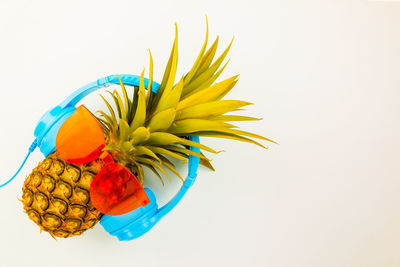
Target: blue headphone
x=139 y=221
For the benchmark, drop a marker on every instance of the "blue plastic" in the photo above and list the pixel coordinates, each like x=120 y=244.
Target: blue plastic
x=138 y=222
x=133 y=224
x=127 y=79
x=31 y=149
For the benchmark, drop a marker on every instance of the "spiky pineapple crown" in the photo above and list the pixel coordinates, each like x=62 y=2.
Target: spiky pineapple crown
x=149 y=128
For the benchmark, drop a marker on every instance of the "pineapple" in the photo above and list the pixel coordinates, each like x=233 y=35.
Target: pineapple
x=147 y=130
x=56 y=196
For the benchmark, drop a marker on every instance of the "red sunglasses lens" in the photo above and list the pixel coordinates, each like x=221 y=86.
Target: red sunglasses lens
x=116 y=191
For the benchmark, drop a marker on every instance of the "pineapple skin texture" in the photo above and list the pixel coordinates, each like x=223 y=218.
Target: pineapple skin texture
x=56 y=196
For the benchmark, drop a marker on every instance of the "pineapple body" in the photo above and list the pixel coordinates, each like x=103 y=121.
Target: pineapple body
x=56 y=196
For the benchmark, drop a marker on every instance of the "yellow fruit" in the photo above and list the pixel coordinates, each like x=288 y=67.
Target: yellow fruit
x=56 y=197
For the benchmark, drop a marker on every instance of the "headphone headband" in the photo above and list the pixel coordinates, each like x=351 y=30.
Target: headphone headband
x=127 y=79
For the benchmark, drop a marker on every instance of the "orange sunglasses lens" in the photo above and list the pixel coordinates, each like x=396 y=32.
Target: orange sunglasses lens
x=116 y=191
x=80 y=139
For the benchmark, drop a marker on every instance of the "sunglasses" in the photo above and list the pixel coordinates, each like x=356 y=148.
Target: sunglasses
x=114 y=190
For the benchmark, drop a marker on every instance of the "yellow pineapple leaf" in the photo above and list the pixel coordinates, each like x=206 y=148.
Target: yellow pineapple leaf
x=134 y=103
x=104 y=126
x=126 y=100
x=194 y=144
x=172 y=99
x=140 y=173
x=197 y=63
x=207 y=164
x=150 y=86
x=174 y=64
x=140 y=135
x=227 y=91
x=112 y=147
x=185 y=151
x=183 y=127
x=155 y=172
x=142 y=150
x=227 y=136
x=220 y=59
x=107 y=118
x=170 y=61
x=152 y=163
x=170 y=166
x=163 y=139
x=203 y=160
x=234 y=118
x=102 y=121
x=208 y=73
x=242 y=133
x=248 y=134
x=195 y=87
x=114 y=119
x=116 y=103
x=170 y=72
x=123 y=130
x=210 y=109
x=209 y=94
x=140 y=114
x=164 y=158
x=208 y=57
x=162 y=120
x=163 y=151
x=126 y=147
x=232 y=132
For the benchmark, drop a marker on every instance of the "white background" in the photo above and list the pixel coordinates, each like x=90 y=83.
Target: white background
x=323 y=74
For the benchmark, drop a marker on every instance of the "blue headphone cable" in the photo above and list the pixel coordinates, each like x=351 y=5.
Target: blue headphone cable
x=32 y=147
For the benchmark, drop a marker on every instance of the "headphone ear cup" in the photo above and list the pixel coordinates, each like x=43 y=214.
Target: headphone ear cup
x=133 y=224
